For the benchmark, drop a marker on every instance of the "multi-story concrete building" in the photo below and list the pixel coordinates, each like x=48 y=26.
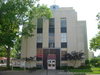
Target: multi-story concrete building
x=54 y=37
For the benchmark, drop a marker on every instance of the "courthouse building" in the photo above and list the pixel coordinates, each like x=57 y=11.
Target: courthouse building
x=55 y=37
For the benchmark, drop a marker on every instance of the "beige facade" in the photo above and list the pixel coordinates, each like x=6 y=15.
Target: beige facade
x=76 y=35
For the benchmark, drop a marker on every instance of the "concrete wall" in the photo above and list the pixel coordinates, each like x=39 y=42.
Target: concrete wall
x=82 y=37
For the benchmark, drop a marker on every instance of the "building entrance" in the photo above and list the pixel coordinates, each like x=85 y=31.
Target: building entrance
x=51 y=64
x=51 y=58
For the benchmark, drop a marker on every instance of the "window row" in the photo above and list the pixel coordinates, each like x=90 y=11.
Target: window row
x=52 y=22
x=51 y=30
x=40 y=30
x=52 y=45
x=52 y=37
x=51 y=25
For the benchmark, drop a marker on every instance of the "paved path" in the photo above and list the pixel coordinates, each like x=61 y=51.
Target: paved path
x=39 y=72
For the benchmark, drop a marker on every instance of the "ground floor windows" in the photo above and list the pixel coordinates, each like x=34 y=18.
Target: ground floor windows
x=51 y=45
x=64 y=45
x=39 y=30
x=39 y=45
x=63 y=57
x=39 y=56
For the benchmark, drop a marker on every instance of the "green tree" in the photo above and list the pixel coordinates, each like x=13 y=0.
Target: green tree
x=17 y=48
x=2 y=51
x=98 y=19
x=95 y=41
x=15 y=13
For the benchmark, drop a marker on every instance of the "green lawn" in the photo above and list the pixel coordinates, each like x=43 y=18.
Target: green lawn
x=91 y=70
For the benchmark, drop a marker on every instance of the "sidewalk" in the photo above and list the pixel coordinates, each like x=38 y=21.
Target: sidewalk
x=42 y=72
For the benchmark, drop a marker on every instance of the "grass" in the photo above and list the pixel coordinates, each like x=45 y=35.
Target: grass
x=94 y=70
x=5 y=68
x=18 y=69
x=91 y=70
x=80 y=70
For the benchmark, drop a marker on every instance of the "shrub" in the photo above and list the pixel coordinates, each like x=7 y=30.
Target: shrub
x=84 y=67
x=87 y=62
x=95 y=62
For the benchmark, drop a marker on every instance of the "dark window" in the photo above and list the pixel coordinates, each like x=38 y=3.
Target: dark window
x=63 y=30
x=39 y=23
x=38 y=58
x=39 y=30
x=51 y=23
x=63 y=45
x=51 y=26
x=39 y=66
x=39 y=45
x=51 y=30
x=51 y=45
x=63 y=22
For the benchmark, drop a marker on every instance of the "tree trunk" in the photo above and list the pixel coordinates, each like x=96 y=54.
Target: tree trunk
x=8 y=57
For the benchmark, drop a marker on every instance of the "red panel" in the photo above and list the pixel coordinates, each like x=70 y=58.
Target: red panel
x=39 y=55
x=51 y=56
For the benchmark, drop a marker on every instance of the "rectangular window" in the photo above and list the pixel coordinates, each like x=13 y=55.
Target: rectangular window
x=38 y=58
x=51 y=30
x=51 y=45
x=39 y=30
x=63 y=25
x=63 y=22
x=63 y=30
x=39 y=45
x=51 y=23
x=51 y=37
x=51 y=33
x=39 y=23
x=64 y=45
x=39 y=38
x=63 y=37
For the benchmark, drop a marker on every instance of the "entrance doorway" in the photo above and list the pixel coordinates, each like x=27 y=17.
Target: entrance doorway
x=51 y=64
x=51 y=58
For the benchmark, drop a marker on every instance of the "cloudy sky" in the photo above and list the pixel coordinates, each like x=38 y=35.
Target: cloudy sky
x=86 y=10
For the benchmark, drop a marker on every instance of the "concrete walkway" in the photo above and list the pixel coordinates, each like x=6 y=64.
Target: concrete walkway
x=40 y=72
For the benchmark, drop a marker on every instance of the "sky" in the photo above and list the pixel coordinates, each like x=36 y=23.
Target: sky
x=86 y=10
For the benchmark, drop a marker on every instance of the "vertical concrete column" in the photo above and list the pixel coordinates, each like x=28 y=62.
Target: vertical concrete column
x=57 y=33
x=45 y=33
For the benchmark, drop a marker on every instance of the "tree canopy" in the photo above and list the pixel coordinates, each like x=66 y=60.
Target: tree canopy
x=16 y=13
x=95 y=41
